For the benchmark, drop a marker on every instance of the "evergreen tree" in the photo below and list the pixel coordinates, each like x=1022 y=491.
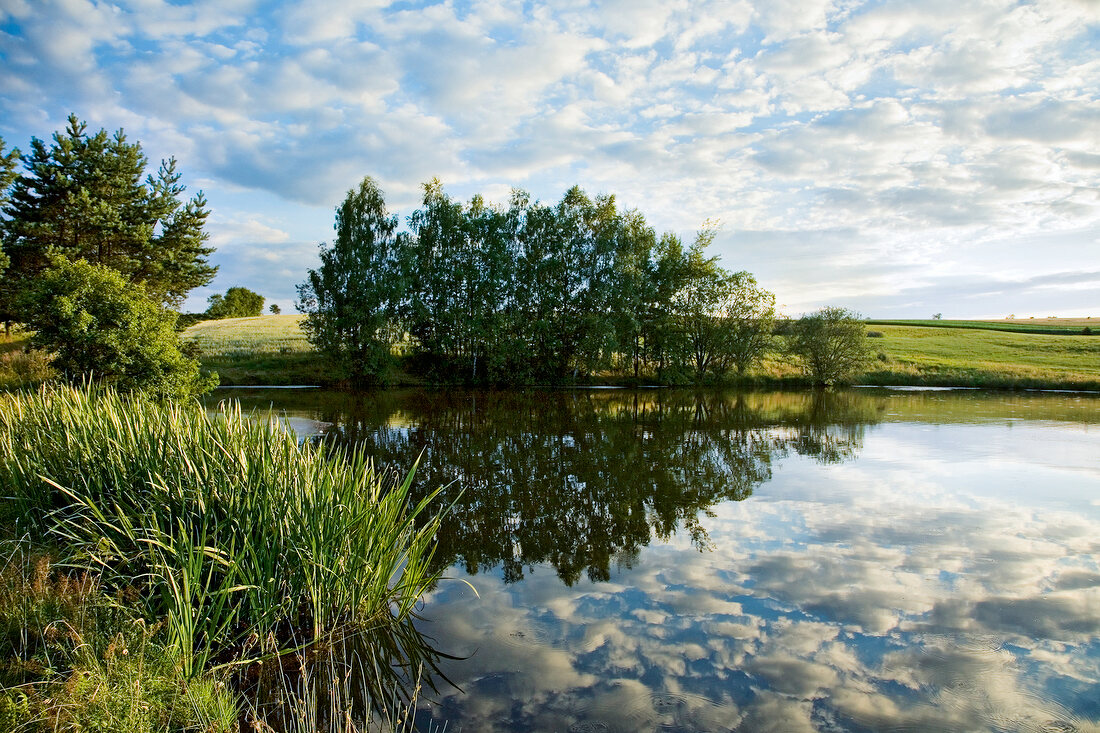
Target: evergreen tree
x=8 y=162
x=86 y=196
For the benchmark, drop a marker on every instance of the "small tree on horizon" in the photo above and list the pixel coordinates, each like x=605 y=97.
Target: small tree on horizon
x=275 y=309
x=236 y=303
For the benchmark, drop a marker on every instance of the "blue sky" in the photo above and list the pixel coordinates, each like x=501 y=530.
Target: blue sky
x=898 y=158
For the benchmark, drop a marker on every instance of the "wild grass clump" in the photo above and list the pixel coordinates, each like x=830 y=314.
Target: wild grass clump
x=74 y=659
x=241 y=542
x=20 y=365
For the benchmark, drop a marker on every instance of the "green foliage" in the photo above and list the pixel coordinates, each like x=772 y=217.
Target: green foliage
x=235 y=531
x=236 y=303
x=97 y=325
x=8 y=162
x=72 y=659
x=275 y=309
x=84 y=197
x=352 y=301
x=528 y=293
x=20 y=365
x=830 y=345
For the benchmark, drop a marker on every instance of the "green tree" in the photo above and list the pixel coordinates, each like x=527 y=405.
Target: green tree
x=830 y=345
x=236 y=303
x=747 y=317
x=86 y=196
x=353 y=299
x=98 y=325
x=275 y=309
x=698 y=306
x=8 y=162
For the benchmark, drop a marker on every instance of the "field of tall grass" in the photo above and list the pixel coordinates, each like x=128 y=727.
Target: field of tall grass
x=256 y=578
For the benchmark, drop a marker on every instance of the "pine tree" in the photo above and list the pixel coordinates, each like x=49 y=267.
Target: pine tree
x=84 y=197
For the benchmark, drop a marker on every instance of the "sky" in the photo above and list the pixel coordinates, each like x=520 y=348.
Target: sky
x=897 y=158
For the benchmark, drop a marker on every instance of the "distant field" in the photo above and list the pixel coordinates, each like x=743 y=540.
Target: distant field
x=1054 y=326
x=989 y=358
x=260 y=350
x=259 y=335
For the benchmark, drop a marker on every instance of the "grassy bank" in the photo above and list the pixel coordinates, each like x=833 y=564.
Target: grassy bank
x=243 y=569
x=272 y=350
x=20 y=366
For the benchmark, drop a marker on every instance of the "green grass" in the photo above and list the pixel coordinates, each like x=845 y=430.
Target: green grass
x=983 y=358
x=234 y=540
x=258 y=335
x=265 y=350
x=21 y=366
x=1054 y=326
x=1009 y=354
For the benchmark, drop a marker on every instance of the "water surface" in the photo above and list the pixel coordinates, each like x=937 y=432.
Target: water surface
x=661 y=560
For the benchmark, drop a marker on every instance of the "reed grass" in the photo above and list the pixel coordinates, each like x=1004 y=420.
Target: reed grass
x=246 y=544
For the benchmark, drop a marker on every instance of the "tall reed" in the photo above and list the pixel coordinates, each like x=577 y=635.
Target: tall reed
x=227 y=528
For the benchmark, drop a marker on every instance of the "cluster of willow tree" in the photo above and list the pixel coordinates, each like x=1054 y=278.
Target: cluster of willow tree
x=527 y=292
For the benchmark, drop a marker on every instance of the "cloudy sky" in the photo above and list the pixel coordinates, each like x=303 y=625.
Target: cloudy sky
x=899 y=158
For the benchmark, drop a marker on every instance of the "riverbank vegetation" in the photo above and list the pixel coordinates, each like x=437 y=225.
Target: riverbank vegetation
x=273 y=350
x=167 y=569
x=96 y=255
x=528 y=293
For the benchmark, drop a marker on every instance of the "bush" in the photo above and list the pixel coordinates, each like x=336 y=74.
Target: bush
x=830 y=345
x=874 y=334
x=98 y=325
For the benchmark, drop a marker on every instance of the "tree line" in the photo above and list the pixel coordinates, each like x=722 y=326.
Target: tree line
x=96 y=256
x=527 y=292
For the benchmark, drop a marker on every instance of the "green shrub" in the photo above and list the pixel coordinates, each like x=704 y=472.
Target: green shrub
x=98 y=325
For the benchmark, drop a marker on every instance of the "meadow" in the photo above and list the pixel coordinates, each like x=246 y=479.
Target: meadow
x=271 y=350
x=971 y=357
x=1057 y=326
x=263 y=350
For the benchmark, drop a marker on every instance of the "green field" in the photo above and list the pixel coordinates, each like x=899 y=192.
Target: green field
x=272 y=350
x=1054 y=326
x=264 y=350
x=983 y=358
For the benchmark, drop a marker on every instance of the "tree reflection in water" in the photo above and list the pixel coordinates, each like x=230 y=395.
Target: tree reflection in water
x=582 y=480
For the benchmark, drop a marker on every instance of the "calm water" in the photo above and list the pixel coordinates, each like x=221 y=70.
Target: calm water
x=657 y=560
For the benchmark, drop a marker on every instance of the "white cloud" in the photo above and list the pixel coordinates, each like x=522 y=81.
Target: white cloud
x=909 y=123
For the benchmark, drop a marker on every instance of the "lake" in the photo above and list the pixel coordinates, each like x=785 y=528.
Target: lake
x=859 y=560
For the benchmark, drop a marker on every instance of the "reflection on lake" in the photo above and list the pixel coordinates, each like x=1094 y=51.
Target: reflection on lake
x=660 y=560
